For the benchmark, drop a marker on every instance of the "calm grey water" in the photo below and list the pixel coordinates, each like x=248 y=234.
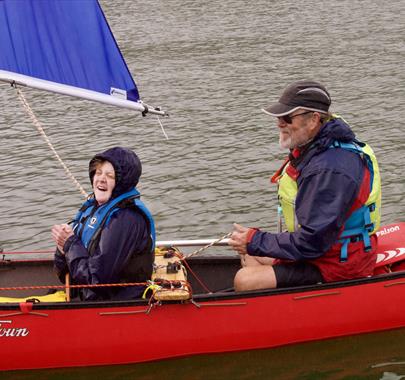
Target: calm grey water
x=212 y=65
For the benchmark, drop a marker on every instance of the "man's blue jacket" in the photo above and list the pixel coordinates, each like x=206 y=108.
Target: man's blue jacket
x=328 y=183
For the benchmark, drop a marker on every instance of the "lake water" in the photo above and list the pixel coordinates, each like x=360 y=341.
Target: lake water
x=212 y=65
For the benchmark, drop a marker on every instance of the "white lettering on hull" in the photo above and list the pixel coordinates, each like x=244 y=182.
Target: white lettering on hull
x=387 y=231
x=7 y=332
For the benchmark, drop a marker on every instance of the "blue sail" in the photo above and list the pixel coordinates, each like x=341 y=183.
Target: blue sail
x=67 y=42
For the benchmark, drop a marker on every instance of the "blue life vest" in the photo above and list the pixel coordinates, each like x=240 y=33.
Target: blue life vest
x=90 y=220
x=364 y=221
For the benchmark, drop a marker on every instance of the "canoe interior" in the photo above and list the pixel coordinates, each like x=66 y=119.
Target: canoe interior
x=217 y=274
x=26 y=273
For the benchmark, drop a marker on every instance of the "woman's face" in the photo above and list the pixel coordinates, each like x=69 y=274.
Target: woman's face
x=103 y=182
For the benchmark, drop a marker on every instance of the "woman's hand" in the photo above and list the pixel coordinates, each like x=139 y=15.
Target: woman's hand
x=60 y=233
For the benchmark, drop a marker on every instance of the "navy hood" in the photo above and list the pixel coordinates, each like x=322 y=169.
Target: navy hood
x=335 y=129
x=127 y=167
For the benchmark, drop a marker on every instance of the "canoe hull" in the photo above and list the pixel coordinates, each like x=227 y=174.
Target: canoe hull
x=85 y=335
x=217 y=319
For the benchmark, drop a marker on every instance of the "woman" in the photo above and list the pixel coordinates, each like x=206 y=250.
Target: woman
x=113 y=234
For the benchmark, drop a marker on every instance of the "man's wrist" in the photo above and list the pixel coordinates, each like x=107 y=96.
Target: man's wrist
x=250 y=234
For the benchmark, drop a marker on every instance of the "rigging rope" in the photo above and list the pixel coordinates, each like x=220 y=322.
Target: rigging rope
x=207 y=246
x=184 y=258
x=163 y=130
x=41 y=131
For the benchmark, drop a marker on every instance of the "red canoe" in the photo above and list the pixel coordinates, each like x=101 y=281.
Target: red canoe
x=67 y=334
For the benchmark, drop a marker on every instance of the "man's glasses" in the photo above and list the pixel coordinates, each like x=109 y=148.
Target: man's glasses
x=288 y=118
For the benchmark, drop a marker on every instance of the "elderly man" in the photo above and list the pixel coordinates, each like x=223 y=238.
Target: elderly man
x=329 y=193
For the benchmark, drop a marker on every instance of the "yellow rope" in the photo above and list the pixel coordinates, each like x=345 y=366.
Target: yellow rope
x=154 y=287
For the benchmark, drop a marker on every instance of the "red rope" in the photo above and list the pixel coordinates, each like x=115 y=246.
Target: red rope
x=177 y=253
x=23 y=252
x=183 y=259
x=86 y=286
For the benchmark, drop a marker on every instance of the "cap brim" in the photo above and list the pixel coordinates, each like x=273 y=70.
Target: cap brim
x=279 y=109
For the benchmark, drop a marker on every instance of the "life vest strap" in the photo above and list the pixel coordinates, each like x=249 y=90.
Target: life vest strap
x=355 y=147
x=359 y=217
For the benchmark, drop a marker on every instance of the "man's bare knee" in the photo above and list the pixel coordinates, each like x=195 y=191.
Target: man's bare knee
x=241 y=280
x=254 y=278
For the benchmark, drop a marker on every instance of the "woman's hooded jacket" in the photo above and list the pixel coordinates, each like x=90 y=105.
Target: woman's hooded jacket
x=123 y=252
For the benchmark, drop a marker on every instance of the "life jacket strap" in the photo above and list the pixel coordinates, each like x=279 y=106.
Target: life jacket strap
x=359 y=217
x=279 y=219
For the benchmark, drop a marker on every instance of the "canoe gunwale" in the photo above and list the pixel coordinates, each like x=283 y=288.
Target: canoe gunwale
x=218 y=295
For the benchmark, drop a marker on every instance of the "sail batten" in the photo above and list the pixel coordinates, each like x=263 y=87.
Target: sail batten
x=65 y=47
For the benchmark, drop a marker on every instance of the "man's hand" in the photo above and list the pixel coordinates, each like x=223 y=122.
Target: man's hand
x=238 y=239
x=60 y=233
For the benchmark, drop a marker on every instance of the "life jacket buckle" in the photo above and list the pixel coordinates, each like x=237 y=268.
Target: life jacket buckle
x=369 y=227
x=355 y=239
x=372 y=207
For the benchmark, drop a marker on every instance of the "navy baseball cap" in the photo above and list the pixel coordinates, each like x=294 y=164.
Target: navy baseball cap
x=305 y=94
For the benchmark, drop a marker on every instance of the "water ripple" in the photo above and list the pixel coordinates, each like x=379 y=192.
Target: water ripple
x=213 y=65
